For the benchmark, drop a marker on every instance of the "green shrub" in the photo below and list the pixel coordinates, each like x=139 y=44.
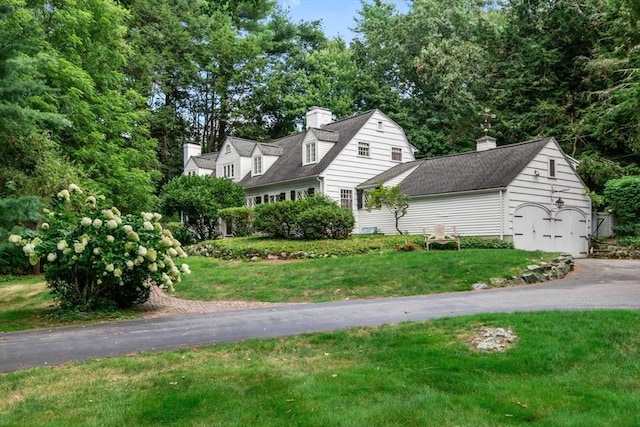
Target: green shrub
x=631 y=242
x=482 y=243
x=623 y=197
x=241 y=220
x=313 y=217
x=95 y=257
x=276 y=219
x=325 y=221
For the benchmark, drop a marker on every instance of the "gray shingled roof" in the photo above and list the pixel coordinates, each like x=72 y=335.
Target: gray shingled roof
x=494 y=168
x=244 y=147
x=270 y=149
x=206 y=161
x=325 y=135
x=289 y=167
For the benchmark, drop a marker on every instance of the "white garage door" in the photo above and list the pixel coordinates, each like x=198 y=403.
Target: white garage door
x=571 y=232
x=535 y=228
x=532 y=229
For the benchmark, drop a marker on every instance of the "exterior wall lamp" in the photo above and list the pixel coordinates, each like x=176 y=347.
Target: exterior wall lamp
x=560 y=203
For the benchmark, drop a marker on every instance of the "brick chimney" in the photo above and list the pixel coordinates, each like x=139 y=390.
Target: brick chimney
x=318 y=117
x=485 y=143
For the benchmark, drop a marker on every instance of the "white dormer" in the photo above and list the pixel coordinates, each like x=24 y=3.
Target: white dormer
x=317 y=143
x=263 y=157
x=318 y=117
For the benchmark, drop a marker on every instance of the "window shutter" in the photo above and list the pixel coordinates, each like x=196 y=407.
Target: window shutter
x=359 y=197
x=293 y=194
x=311 y=191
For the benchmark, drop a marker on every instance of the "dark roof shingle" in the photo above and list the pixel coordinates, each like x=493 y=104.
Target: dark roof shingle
x=494 y=168
x=289 y=166
x=206 y=161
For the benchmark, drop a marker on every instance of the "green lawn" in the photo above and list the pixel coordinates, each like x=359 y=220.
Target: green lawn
x=26 y=304
x=385 y=273
x=566 y=369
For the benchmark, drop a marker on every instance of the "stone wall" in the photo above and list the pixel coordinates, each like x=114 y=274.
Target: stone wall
x=611 y=250
x=556 y=269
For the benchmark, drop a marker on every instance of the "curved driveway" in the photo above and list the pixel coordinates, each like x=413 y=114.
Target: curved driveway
x=595 y=284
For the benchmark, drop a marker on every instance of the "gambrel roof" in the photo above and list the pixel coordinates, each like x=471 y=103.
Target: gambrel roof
x=289 y=166
x=477 y=170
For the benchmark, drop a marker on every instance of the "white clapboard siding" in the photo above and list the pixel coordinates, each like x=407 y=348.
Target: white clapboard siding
x=230 y=158
x=534 y=186
x=473 y=214
x=191 y=168
x=349 y=170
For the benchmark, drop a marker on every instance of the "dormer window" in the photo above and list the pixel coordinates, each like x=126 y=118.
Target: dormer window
x=310 y=152
x=363 y=149
x=228 y=170
x=257 y=165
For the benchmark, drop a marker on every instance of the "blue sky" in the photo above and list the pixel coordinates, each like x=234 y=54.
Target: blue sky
x=337 y=16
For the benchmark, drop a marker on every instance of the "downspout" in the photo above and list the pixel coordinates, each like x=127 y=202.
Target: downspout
x=321 y=181
x=501 y=215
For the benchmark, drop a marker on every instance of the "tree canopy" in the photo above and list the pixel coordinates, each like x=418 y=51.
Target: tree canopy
x=106 y=92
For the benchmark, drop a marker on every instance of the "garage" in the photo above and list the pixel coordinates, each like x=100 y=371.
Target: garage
x=564 y=230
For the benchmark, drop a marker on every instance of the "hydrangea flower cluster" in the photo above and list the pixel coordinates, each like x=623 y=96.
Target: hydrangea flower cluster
x=92 y=253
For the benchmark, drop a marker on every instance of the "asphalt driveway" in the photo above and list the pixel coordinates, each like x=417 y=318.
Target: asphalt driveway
x=595 y=284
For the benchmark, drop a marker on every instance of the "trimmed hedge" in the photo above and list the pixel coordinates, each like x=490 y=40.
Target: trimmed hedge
x=314 y=217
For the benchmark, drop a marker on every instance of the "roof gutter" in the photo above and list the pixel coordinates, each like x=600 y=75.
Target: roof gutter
x=284 y=182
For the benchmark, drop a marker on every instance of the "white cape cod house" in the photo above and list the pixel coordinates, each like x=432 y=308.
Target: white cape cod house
x=528 y=193
x=330 y=158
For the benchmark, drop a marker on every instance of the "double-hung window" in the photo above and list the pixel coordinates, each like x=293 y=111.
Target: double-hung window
x=228 y=170
x=363 y=149
x=257 y=165
x=310 y=152
x=396 y=154
x=346 y=199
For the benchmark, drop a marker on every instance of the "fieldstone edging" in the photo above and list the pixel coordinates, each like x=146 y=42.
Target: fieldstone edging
x=536 y=273
x=614 y=251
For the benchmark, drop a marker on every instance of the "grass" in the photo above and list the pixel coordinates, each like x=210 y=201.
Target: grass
x=384 y=273
x=26 y=304
x=567 y=369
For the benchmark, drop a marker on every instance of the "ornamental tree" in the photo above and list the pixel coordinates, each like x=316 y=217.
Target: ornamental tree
x=198 y=200
x=95 y=257
x=392 y=198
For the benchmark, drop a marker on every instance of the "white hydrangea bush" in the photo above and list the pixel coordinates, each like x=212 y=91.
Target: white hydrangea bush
x=93 y=255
